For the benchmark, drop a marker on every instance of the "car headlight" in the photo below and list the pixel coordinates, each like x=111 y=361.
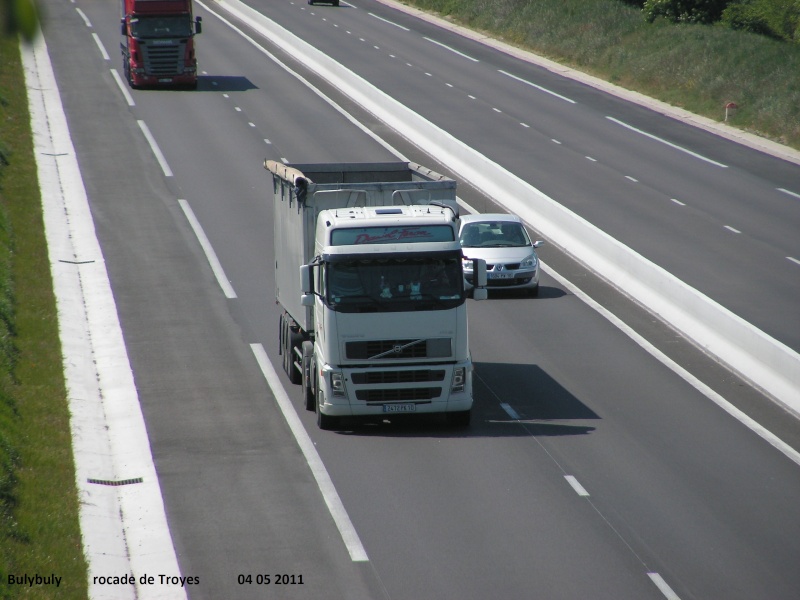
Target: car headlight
x=459 y=376
x=337 y=383
x=530 y=262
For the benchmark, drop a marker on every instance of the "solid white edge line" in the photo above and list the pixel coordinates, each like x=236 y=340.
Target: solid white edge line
x=304 y=81
x=579 y=489
x=716 y=398
x=323 y=479
x=665 y=142
x=208 y=249
x=123 y=528
x=122 y=87
x=662 y=585
x=154 y=147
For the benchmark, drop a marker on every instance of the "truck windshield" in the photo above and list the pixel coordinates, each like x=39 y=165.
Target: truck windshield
x=394 y=284
x=161 y=27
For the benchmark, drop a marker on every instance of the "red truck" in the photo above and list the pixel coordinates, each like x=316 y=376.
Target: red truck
x=159 y=43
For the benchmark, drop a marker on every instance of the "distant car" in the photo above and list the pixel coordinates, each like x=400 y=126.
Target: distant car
x=334 y=2
x=503 y=242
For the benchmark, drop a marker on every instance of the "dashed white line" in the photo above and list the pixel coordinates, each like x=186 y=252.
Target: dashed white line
x=678 y=202
x=497 y=110
x=321 y=476
x=389 y=22
x=579 y=489
x=84 y=17
x=154 y=147
x=733 y=229
x=785 y=191
x=665 y=142
x=510 y=411
x=525 y=125
x=123 y=88
x=633 y=179
x=662 y=585
x=100 y=45
x=555 y=141
x=211 y=256
x=794 y=260
x=453 y=50
x=591 y=159
x=538 y=87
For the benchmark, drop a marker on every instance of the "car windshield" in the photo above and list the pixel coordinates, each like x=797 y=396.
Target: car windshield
x=161 y=27
x=394 y=284
x=494 y=234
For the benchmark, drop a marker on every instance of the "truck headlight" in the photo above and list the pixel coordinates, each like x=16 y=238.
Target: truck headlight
x=337 y=383
x=458 y=379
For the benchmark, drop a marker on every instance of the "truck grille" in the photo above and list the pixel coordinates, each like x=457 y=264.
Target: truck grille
x=163 y=59
x=399 y=394
x=379 y=377
x=399 y=349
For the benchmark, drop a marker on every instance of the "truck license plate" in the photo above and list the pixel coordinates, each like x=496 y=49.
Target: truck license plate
x=399 y=408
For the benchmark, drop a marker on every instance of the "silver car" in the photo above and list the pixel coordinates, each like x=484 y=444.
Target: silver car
x=502 y=241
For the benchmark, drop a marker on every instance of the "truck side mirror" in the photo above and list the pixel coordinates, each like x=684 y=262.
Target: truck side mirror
x=122 y=28
x=479 y=274
x=306 y=285
x=198 y=25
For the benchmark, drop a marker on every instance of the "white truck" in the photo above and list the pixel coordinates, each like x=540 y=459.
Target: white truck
x=368 y=272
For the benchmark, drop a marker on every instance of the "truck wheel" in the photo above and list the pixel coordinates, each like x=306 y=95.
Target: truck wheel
x=460 y=419
x=309 y=379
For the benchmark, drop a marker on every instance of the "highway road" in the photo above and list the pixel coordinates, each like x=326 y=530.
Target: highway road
x=591 y=468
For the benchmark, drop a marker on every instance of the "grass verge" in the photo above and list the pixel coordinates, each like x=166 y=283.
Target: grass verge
x=696 y=67
x=39 y=527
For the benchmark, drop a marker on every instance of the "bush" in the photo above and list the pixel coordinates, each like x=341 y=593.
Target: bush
x=685 y=11
x=778 y=19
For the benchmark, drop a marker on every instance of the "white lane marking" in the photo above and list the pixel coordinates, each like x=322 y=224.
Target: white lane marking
x=497 y=110
x=785 y=191
x=538 y=87
x=123 y=529
x=579 y=489
x=631 y=179
x=591 y=159
x=665 y=142
x=555 y=141
x=208 y=249
x=100 y=45
x=678 y=202
x=123 y=87
x=84 y=17
x=510 y=411
x=525 y=125
x=701 y=387
x=323 y=479
x=389 y=22
x=662 y=585
x=794 y=260
x=733 y=229
x=154 y=147
x=453 y=50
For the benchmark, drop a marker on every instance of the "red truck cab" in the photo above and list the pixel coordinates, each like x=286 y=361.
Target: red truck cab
x=158 y=50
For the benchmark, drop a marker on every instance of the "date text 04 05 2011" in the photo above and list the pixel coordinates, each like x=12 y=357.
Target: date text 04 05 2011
x=276 y=579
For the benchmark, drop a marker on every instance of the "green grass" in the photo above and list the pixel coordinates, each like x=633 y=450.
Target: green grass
x=39 y=530
x=697 y=67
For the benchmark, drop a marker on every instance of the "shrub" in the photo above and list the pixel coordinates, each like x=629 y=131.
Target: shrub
x=685 y=11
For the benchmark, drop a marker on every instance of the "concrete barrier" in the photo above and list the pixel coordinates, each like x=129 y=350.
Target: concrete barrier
x=768 y=364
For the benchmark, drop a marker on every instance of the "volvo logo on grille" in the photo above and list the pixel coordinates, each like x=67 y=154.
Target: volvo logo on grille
x=397 y=349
